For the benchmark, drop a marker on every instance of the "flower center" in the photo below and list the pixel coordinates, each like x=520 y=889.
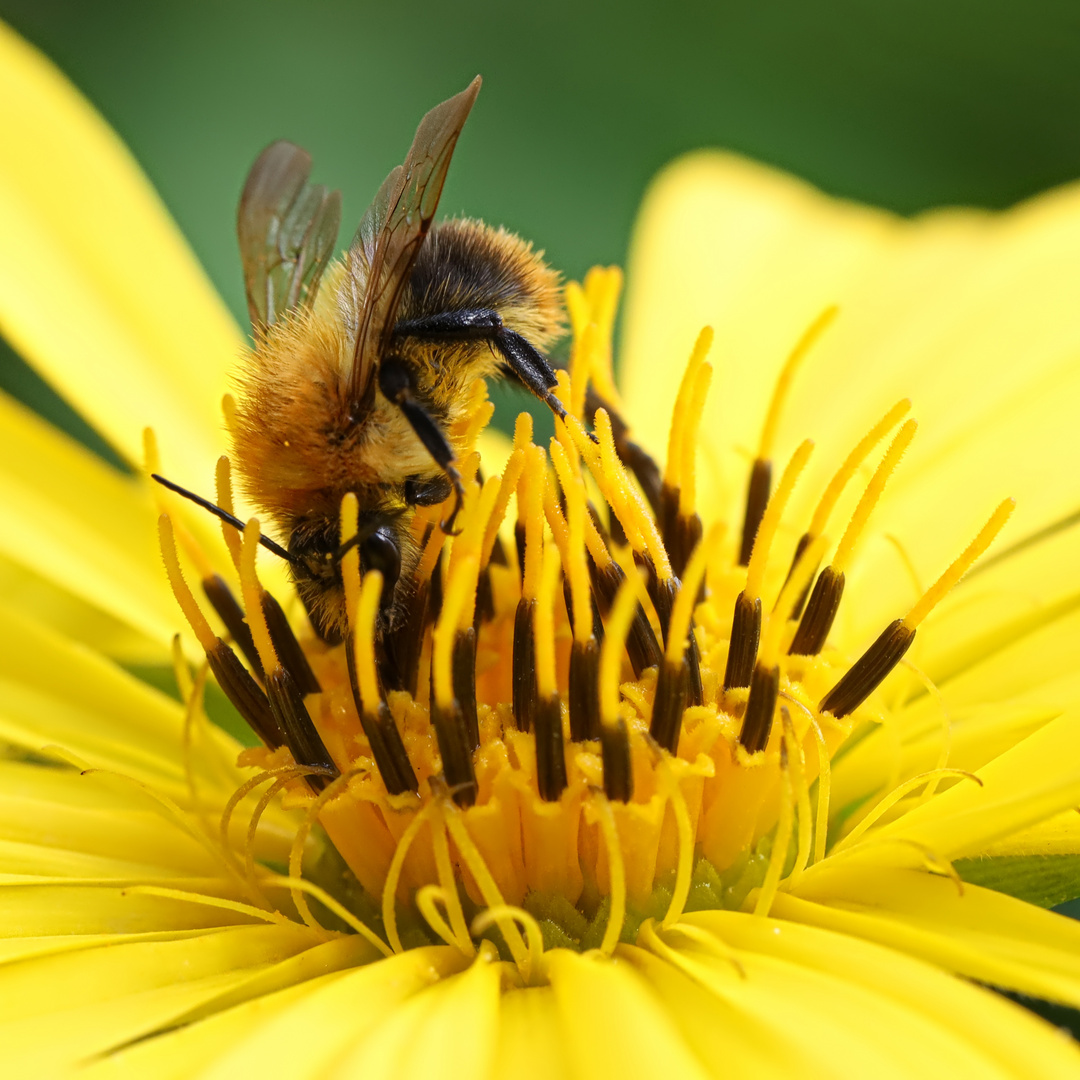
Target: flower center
x=496 y=757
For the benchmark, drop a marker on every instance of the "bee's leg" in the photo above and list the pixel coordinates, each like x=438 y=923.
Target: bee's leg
x=396 y=383
x=483 y=324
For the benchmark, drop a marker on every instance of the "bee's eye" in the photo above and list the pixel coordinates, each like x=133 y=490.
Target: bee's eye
x=379 y=551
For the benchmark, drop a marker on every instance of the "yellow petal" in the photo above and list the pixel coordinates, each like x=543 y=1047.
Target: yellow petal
x=978 y=933
x=97 y=287
x=1010 y=1036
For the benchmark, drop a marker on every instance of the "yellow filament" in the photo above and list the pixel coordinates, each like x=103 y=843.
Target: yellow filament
x=604 y=284
x=894 y=797
x=802 y=798
x=208 y=901
x=393 y=876
x=684 y=831
x=228 y=413
x=243 y=791
x=428 y=897
x=296 y=852
x=759 y=557
x=852 y=463
x=430 y=555
x=793 y=588
x=531 y=510
x=445 y=869
x=821 y=826
x=706 y=939
x=611 y=652
x=181 y=672
x=223 y=484
x=684 y=404
x=787 y=375
x=637 y=522
x=480 y=411
x=534 y=959
x=252 y=591
x=193 y=699
x=576 y=568
x=206 y=636
x=946 y=724
x=469 y=545
x=253 y=827
x=460 y=592
x=945 y=583
x=688 y=483
x=781 y=840
x=616 y=873
x=343 y=913
x=872 y=494
x=581 y=362
x=556 y=522
x=507 y=486
x=683 y=609
x=350 y=562
x=367 y=610
x=489 y=890
x=544 y=624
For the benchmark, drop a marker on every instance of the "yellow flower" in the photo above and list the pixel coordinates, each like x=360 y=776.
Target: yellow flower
x=768 y=883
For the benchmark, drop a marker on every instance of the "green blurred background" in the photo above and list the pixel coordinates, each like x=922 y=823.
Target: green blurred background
x=907 y=104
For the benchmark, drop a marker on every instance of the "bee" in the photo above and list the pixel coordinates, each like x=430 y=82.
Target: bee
x=361 y=368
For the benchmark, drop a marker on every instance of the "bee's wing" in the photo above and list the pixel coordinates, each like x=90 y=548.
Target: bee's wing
x=393 y=229
x=287 y=230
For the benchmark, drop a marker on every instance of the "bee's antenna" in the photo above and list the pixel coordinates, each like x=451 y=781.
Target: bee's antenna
x=225 y=516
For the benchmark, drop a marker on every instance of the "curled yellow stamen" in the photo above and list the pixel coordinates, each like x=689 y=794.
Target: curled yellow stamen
x=223 y=485
x=252 y=591
x=534 y=961
x=684 y=406
x=366 y=612
x=851 y=463
x=945 y=583
x=782 y=836
x=201 y=628
x=755 y=571
x=797 y=760
x=393 y=875
x=302 y=885
x=787 y=375
x=871 y=495
x=616 y=872
x=544 y=624
x=445 y=869
x=685 y=833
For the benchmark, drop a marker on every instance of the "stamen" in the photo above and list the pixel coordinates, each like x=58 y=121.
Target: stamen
x=757 y=495
x=605 y=817
x=393 y=874
x=746 y=618
x=685 y=833
x=507 y=486
x=232 y=615
x=196 y=620
x=802 y=798
x=252 y=592
x=223 y=492
x=782 y=836
x=868 y=672
x=427 y=897
x=550 y=758
x=614 y=738
x=444 y=867
x=894 y=797
x=489 y=890
x=684 y=409
x=534 y=961
x=576 y=566
x=302 y=885
x=451 y=730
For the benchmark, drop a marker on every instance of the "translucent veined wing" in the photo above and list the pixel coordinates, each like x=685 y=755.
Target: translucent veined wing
x=287 y=230
x=394 y=227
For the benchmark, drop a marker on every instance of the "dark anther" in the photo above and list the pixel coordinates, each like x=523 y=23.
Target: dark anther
x=757 y=498
x=288 y=650
x=485 y=599
x=663 y=595
x=641 y=645
x=245 y=693
x=669 y=704
x=463 y=675
x=524 y=665
x=867 y=673
x=760 y=706
x=454 y=750
x=585 y=690
x=287 y=705
x=232 y=615
x=681 y=533
x=550 y=760
x=435 y=594
x=818 y=618
x=519 y=543
x=695 y=692
x=387 y=749
x=745 y=636
x=399 y=654
x=639 y=462
x=800 y=547
x=615 y=754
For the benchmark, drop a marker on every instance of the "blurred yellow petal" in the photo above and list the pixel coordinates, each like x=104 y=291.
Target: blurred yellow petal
x=98 y=290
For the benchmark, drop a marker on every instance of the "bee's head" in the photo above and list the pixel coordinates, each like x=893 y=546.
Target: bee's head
x=315 y=552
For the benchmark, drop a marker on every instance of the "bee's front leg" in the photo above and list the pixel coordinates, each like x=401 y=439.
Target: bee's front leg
x=396 y=384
